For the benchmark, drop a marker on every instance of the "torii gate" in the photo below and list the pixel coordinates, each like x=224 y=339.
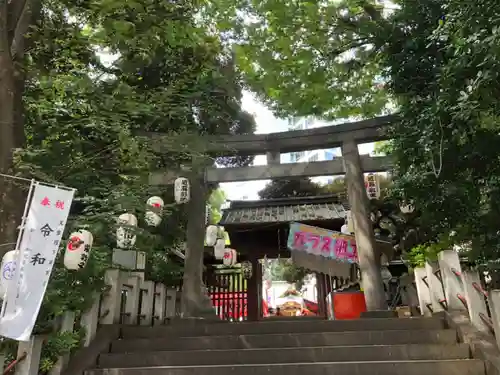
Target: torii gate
x=347 y=136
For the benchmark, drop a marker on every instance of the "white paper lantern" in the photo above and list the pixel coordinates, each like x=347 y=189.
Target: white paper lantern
x=345 y=229
x=211 y=235
x=372 y=185
x=125 y=237
x=350 y=222
x=219 y=248
x=407 y=209
x=154 y=211
x=229 y=259
x=9 y=266
x=78 y=249
x=181 y=190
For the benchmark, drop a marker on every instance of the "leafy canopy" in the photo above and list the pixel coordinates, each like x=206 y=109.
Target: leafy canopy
x=80 y=116
x=308 y=57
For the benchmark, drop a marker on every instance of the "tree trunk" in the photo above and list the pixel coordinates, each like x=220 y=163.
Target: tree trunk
x=16 y=18
x=7 y=132
x=195 y=301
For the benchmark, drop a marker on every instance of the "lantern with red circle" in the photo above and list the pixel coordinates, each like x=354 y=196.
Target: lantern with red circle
x=229 y=258
x=154 y=211
x=78 y=250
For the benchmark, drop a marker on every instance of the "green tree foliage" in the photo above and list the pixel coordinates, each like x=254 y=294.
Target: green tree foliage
x=286 y=188
x=309 y=57
x=285 y=270
x=216 y=200
x=444 y=74
x=438 y=62
x=80 y=118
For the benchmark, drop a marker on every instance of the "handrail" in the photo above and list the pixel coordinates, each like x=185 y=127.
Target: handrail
x=14 y=363
x=484 y=318
x=480 y=289
x=456 y=273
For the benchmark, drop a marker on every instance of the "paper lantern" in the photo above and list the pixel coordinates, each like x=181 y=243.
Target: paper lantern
x=9 y=266
x=350 y=222
x=154 y=211
x=229 y=259
x=211 y=235
x=345 y=229
x=219 y=248
x=181 y=190
x=246 y=269
x=125 y=237
x=407 y=209
x=78 y=250
x=372 y=185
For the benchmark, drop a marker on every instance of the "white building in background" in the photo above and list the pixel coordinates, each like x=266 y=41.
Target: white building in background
x=301 y=123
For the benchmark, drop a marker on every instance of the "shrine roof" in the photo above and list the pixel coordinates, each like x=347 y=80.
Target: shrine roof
x=283 y=210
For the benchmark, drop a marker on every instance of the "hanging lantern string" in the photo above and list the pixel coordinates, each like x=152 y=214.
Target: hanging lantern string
x=15 y=177
x=7 y=244
x=30 y=180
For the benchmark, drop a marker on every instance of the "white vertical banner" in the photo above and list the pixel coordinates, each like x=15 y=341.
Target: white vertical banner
x=44 y=226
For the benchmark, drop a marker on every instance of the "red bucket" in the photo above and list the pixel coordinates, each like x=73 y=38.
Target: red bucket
x=348 y=305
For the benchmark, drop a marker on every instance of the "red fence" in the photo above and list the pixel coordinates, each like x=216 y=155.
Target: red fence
x=228 y=297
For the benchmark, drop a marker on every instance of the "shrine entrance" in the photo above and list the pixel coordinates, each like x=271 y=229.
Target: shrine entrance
x=260 y=229
x=227 y=290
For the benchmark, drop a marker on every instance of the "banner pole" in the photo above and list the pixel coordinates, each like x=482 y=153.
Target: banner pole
x=19 y=237
x=25 y=213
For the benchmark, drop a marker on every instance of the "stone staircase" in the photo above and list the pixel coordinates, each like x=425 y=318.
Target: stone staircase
x=414 y=346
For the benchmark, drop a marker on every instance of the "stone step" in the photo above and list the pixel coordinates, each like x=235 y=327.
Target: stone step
x=307 y=326
x=392 y=337
x=285 y=355
x=446 y=367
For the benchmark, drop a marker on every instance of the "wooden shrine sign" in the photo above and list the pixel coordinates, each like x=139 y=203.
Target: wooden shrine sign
x=318 y=241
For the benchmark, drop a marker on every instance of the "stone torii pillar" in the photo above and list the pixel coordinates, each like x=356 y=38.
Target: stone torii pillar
x=195 y=301
x=369 y=258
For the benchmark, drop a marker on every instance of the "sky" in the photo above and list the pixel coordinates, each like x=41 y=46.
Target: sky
x=266 y=123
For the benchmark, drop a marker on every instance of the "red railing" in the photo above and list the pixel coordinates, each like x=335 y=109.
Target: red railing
x=14 y=363
x=478 y=288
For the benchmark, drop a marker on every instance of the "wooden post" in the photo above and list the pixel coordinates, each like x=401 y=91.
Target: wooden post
x=67 y=325
x=451 y=271
x=409 y=294
x=494 y=301
x=111 y=302
x=475 y=299
x=90 y=320
x=170 y=303
x=132 y=303
x=369 y=259
x=33 y=350
x=253 y=292
x=159 y=304
x=146 y=313
x=424 y=297
x=435 y=287
x=320 y=286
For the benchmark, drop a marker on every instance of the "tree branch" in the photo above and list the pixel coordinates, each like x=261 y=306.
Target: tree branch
x=437 y=171
x=23 y=24
x=14 y=11
x=4 y=39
